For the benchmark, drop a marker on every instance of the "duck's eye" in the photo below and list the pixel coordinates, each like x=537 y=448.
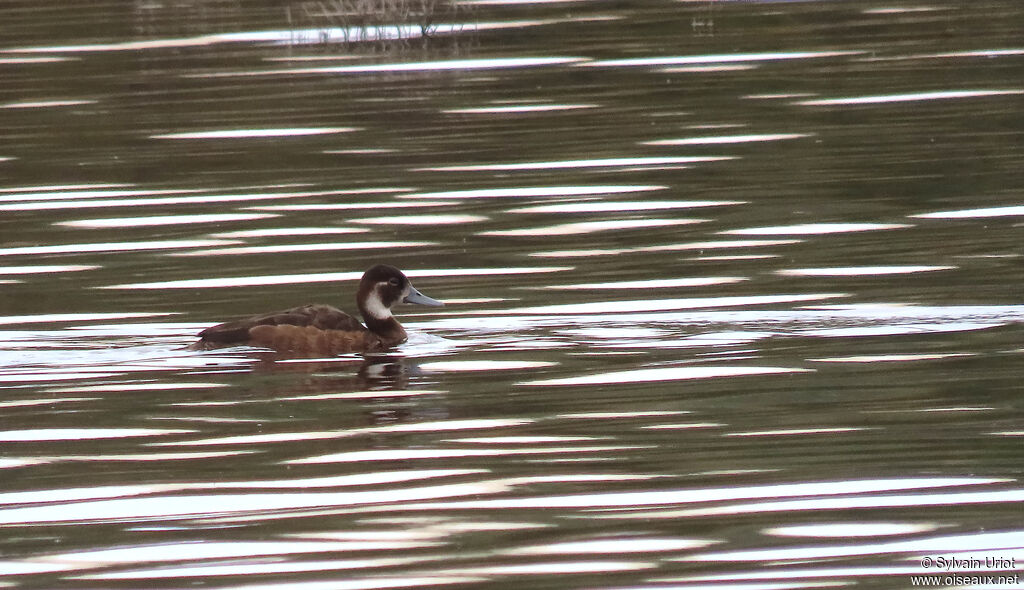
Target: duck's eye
x=393 y=282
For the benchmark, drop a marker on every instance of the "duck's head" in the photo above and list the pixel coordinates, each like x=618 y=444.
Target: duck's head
x=384 y=286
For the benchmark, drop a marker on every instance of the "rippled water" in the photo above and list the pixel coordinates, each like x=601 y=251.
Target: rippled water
x=732 y=295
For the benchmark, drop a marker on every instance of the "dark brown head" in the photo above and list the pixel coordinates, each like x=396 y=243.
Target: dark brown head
x=383 y=287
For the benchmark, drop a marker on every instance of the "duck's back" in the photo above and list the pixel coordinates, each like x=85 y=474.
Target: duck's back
x=299 y=328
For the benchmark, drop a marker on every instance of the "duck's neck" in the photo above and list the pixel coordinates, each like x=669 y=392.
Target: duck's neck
x=380 y=321
x=378 y=318
x=389 y=330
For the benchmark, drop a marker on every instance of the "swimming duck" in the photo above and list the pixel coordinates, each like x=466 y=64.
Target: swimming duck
x=322 y=329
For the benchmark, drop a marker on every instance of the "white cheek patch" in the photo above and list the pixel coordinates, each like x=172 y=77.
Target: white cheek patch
x=375 y=305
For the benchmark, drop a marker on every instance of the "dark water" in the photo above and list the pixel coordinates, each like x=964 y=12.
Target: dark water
x=733 y=295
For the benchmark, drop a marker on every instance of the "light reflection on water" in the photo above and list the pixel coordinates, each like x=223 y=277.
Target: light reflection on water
x=725 y=139
x=814 y=229
x=45 y=104
x=614 y=207
x=587 y=227
x=1009 y=211
x=526 y=108
x=725 y=58
x=111 y=247
x=50 y=204
x=854 y=271
x=56 y=193
x=327 y=277
x=548 y=191
x=651 y=284
x=568 y=164
x=45 y=269
x=464 y=64
x=304 y=248
x=700 y=246
x=249 y=133
x=663 y=374
x=419 y=219
x=815 y=383
x=910 y=97
x=290 y=36
x=162 y=220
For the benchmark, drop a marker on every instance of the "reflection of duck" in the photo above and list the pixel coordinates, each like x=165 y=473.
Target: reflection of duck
x=322 y=329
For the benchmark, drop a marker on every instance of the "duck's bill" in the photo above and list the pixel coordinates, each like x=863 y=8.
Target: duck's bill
x=418 y=298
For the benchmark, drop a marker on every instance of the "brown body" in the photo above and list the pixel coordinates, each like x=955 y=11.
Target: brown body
x=325 y=330
x=310 y=340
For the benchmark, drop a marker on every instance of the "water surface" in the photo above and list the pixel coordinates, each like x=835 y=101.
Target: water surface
x=732 y=295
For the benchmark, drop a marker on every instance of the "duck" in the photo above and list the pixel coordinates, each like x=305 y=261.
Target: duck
x=323 y=329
